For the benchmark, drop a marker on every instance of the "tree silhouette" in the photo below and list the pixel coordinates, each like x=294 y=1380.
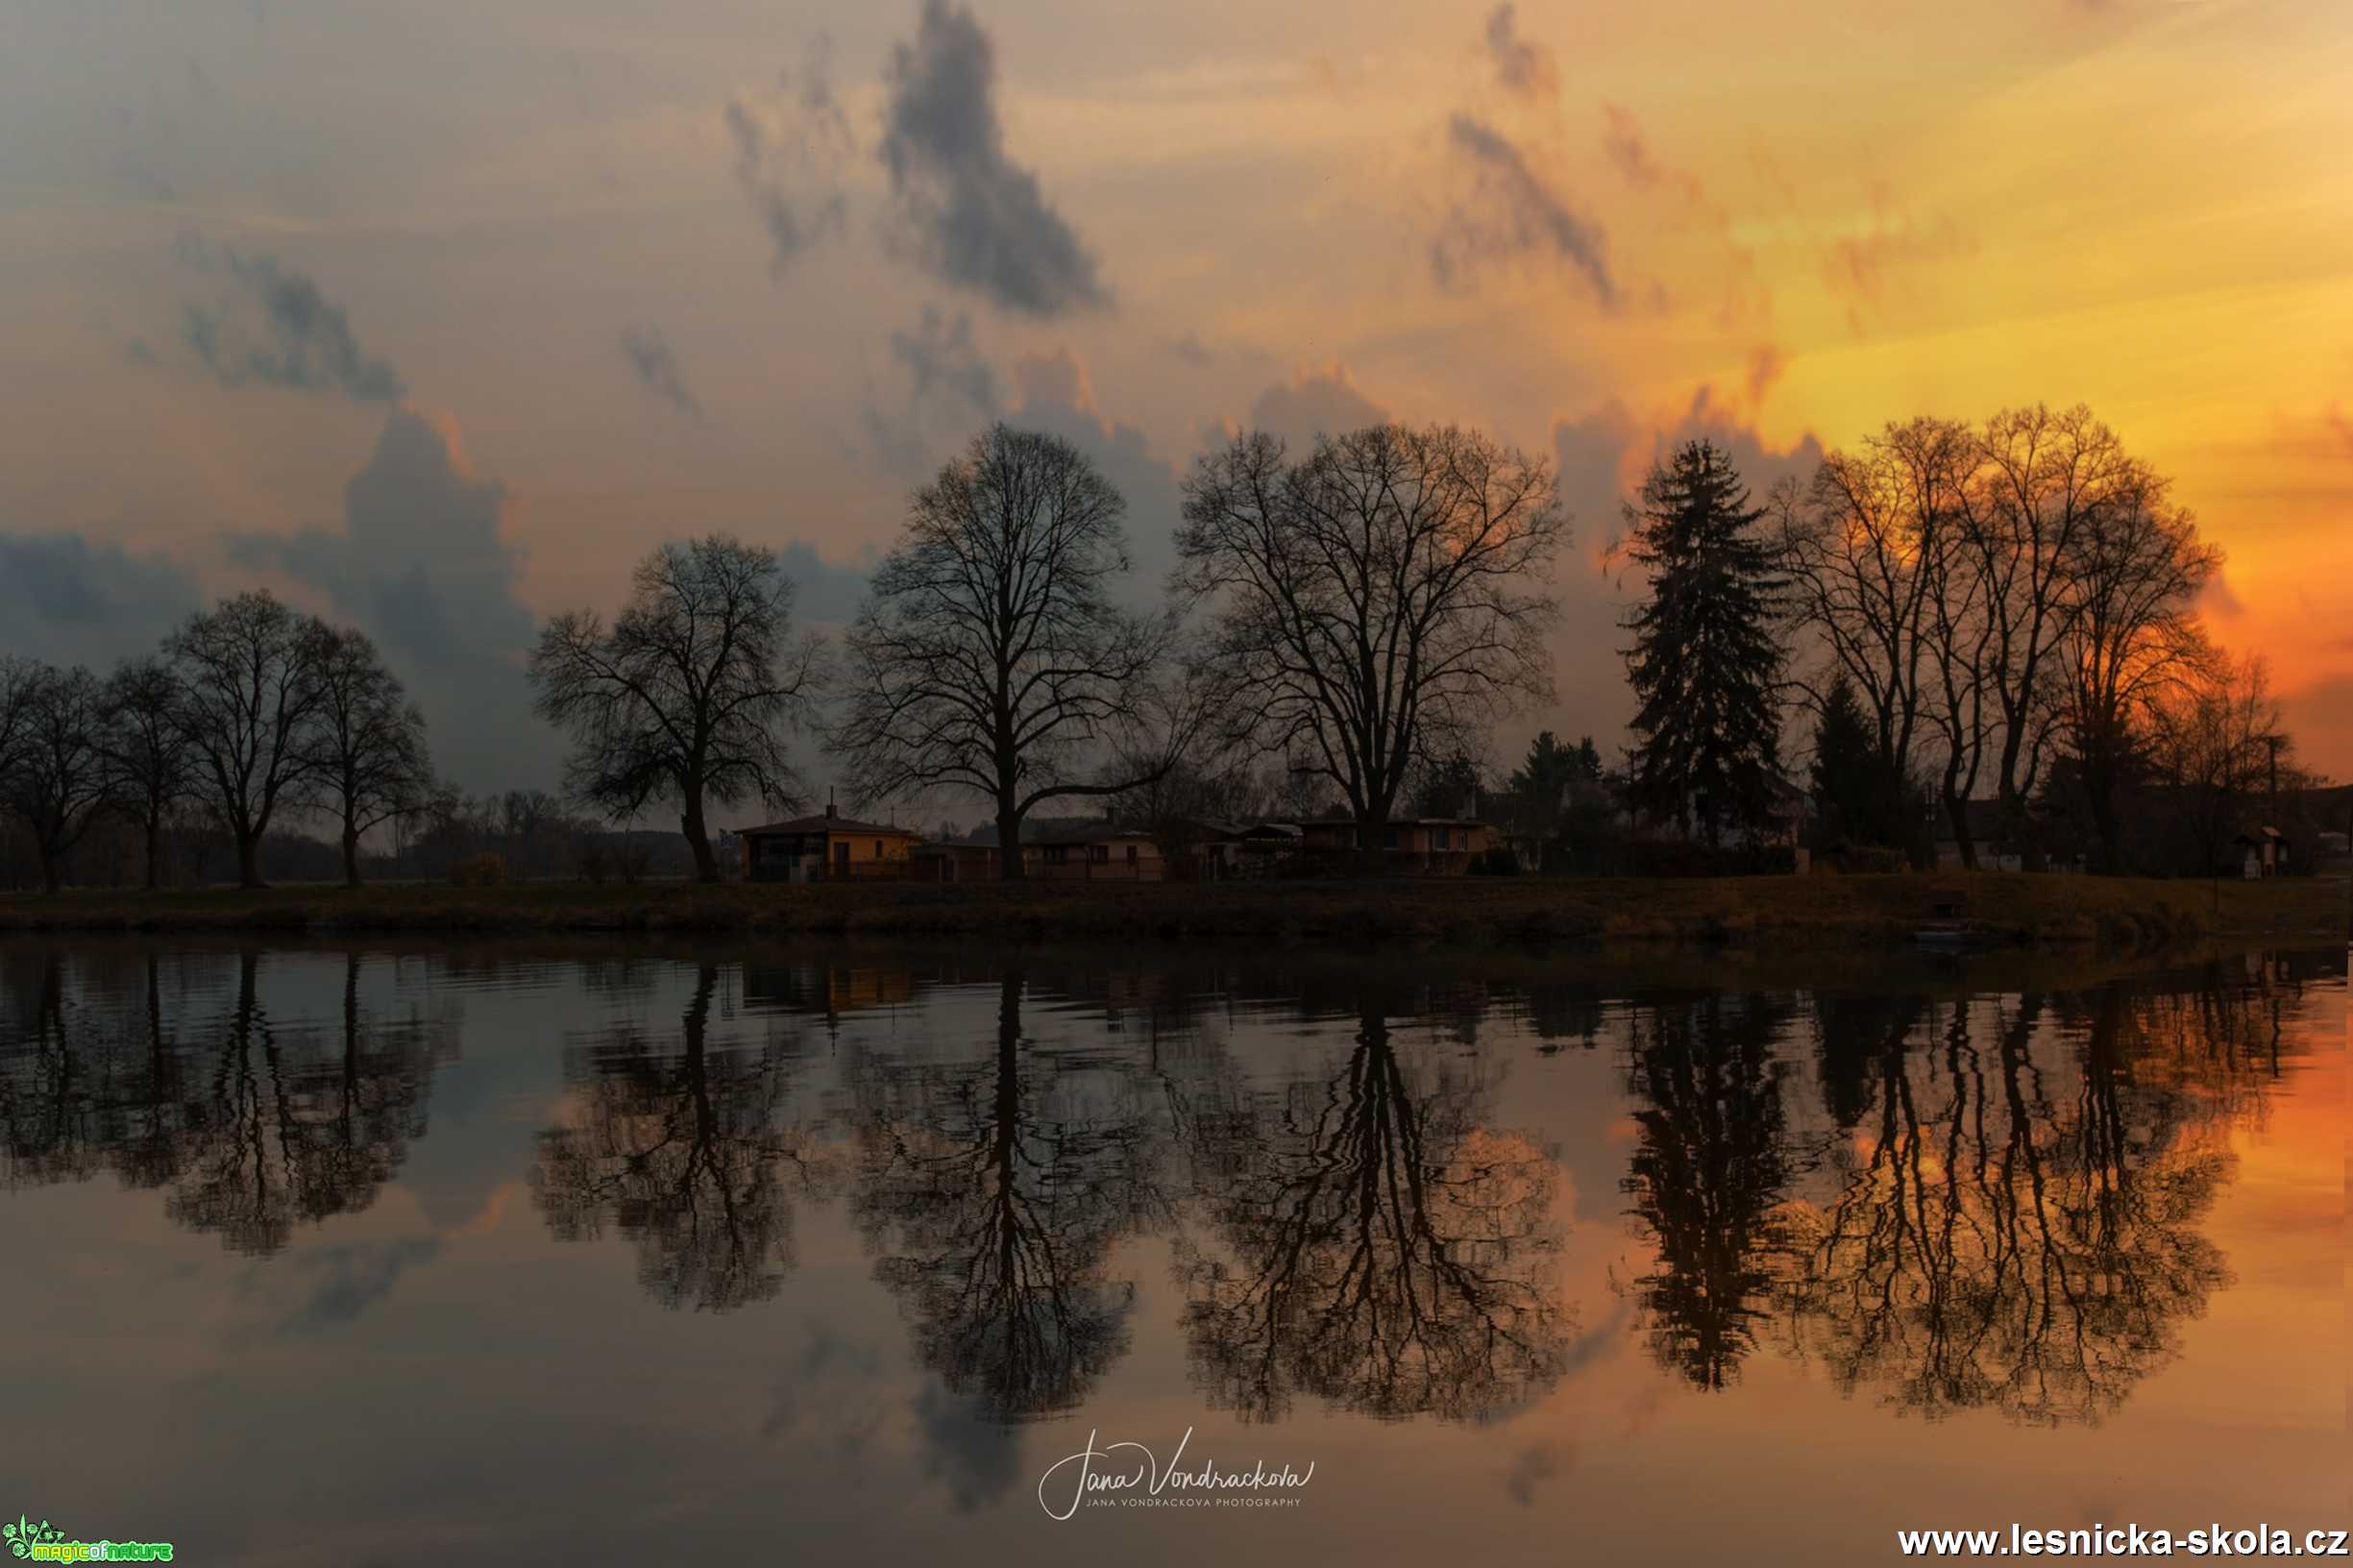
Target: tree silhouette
x=685 y=1153
x=995 y=1190
x=1708 y=1175
x=2014 y=1233
x=1386 y=1252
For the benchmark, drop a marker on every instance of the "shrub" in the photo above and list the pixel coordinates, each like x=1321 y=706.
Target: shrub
x=487 y=869
x=1495 y=861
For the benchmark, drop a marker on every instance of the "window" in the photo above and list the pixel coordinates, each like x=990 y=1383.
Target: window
x=877 y=848
x=1388 y=838
x=1437 y=838
x=1131 y=854
x=1099 y=853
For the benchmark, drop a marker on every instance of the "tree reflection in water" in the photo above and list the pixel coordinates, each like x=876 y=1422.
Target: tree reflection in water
x=1708 y=1175
x=688 y=1154
x=2021 y=1194
x=252 y=1129
x=1381 y=1249
x=994 y=1189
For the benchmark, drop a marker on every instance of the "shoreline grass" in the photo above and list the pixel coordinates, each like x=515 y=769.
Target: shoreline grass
x=1773 y=913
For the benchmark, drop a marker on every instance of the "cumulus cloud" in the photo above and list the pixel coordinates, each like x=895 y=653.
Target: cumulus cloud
x=1321 y=400
x=422 y=563
x=1056 y=396
x=67 y=601
x=1511 y=212
x=272 y=326
x=790 y=150
x=972 y=216
x=1521 y=66
x=950 y=387
x=655 y=364
x=826 y=592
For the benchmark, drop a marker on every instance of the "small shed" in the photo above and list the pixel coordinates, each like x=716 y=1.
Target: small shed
x=2264 y=852
x=825 y=848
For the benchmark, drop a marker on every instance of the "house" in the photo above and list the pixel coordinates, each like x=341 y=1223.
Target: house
x=825 y=848
x=1445 y=846
x=1075 y=849
x=2266 y=852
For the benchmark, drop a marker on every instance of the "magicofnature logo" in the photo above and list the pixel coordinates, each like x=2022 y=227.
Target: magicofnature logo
x=44 y=1542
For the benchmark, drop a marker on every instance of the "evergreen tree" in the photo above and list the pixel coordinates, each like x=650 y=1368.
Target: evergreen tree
x=1847 y=769
x=1586 y=762
x=1547 y=771
x=1706 y=661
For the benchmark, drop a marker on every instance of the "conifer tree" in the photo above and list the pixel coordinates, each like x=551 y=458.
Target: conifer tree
x=1705 y=664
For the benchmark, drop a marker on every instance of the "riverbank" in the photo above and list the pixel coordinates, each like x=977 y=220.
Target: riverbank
x=1780 y=913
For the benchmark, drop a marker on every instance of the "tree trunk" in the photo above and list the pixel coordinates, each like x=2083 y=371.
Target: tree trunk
x=155 y=850
x=1956 y=812
x=697 y=838
x=1009 y=863
x=50 y=879
x=350 y=855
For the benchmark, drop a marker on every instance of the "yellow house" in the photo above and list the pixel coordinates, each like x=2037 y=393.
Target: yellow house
x=825 y=848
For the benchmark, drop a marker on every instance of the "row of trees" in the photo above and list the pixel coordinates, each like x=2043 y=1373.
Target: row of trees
x=1970 y=611
x=248 y=711
x=1362 y=606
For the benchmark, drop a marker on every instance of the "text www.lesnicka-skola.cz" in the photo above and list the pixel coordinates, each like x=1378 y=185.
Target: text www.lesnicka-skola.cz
x=2125 y=1541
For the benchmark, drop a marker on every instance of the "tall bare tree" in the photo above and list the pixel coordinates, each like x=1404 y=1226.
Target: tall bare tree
x=17 y=680
x=2139 y=567
x=992 y=655
x=149 y=759
x=689 y=694
x=2044 y=476
x=368 y=744
x=249 y=693
x=2216 y=741
x=1375 y=602
x=56 y=782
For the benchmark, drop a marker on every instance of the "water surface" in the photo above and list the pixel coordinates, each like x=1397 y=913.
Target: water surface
x=611 y=1255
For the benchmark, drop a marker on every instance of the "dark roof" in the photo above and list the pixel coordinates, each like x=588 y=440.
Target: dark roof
x=1399 y=821
x=826 y=822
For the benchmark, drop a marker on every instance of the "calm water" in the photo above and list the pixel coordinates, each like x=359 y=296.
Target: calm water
x=605 y=1256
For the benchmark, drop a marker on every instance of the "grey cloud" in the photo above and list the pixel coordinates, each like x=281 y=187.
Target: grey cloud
x=1512 y=212
x=789 y=158
x=976 y=218
x=1314 y=403
x=656 y=367
x=67 y=601
x=341 y=1282
x=422 y=565
x=825 y=592
x=1525 y=67
x=1533 y=1465
x=978 y=1460
x=951 y=386
x=1192 y=350
x=1056 y=398
x=271 y=325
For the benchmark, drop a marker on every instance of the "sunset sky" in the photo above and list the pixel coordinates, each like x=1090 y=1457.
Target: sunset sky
x=435 y=316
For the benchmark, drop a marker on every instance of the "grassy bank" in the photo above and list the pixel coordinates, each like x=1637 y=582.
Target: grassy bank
x=1777 y=913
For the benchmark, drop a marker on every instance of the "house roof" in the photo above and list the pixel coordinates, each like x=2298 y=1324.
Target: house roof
x=827 y=823
x=1399 y=821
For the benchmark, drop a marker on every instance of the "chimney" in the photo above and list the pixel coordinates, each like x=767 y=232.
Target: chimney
x=829 y=811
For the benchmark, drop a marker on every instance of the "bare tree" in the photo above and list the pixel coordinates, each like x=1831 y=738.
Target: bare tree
x=2043 y=478
x=249 y=693
x=2138 y=568
x=2215 y=741
x=990 y=655
x=1374 y=602
x=56 y=782
x=369 y=764
x=150 y=763
x=692 y=692
x=18 y=677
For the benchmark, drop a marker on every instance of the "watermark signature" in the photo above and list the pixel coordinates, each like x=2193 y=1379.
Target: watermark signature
x=40 y=1541
x=1128 y=1475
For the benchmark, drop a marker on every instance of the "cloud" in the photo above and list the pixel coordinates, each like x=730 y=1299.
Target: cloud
x=67 y=601
x=1057 y=397
x=976 y=1458
x=1628 y=152
x=2338 y=421
x=1192 y=350
x=271 y=325
x=1538 y=1462
x=975 y=218
x=1511 y=212
x=1863 y=266
x=656 y=367
x=824 y=591
x=1522 y=67
x=1766 y=364
x=951 y=388
x=341 y=1282
x=422 y=563
x=1317 y=401
x=789 y=153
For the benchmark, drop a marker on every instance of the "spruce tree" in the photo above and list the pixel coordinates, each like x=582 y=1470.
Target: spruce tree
x=1707 y=662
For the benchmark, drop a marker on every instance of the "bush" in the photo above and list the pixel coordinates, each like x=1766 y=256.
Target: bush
x=487 y=869
x=1496 y=861
x=592 y=860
